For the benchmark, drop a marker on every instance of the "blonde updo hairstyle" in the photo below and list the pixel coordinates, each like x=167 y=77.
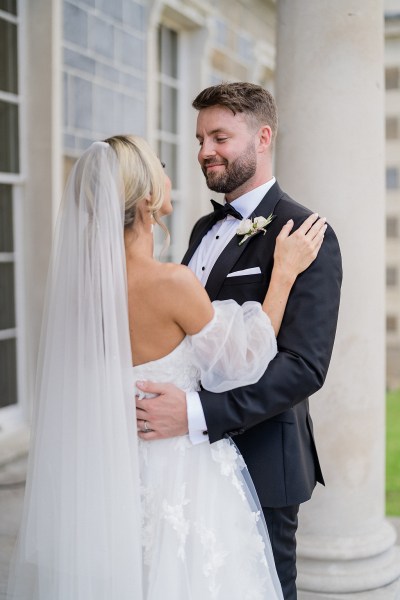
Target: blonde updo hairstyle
x=142 y=174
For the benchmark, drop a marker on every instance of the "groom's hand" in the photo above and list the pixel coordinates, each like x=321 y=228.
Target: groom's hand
x=162 y=416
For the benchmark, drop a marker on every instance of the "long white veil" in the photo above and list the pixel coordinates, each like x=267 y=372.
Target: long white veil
x=80 y=532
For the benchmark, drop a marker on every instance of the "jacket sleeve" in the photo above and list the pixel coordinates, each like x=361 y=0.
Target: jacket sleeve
x=305 y=343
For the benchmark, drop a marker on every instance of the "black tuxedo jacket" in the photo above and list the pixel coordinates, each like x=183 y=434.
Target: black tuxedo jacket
x=270 y=420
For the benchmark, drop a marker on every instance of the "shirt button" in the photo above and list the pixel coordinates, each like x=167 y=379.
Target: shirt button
x=205 y=432
x=203 y=268
x=217 y=237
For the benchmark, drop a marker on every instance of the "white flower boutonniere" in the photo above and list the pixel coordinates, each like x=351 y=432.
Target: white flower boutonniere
x=249 y=227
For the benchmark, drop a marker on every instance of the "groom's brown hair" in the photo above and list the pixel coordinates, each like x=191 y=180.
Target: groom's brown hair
x=242 y=97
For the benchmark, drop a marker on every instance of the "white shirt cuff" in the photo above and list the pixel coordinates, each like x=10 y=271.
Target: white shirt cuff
x=196 y=420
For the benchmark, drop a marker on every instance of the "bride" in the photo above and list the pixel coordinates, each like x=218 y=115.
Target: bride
x=107 y=517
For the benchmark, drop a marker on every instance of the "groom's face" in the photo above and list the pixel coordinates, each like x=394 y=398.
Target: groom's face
x=227 y=154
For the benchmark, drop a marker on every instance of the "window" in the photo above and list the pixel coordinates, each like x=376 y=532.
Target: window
x=9 y=6
x=9 y=170
x=392 y=227
x=392 y=128
x=392 y=78
x=9 y=162
x=167 y=121
x=391 y=276
x=391 y=324
x=392 y=178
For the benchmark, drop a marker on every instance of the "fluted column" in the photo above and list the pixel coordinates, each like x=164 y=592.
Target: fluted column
x=329 y=89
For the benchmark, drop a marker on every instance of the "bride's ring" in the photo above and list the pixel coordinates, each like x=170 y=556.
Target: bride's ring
x=146 y=427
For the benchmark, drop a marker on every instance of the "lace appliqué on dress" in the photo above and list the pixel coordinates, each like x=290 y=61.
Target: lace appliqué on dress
x=214 y=557
x=230 y=462
x=148 y=523
x=174 y=515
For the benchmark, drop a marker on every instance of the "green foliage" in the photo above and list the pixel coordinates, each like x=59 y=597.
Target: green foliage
x=393 y=453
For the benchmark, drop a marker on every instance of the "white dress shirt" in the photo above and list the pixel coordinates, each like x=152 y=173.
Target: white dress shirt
x=201 y=263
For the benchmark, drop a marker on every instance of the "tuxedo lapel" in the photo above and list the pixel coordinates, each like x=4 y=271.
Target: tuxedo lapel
x=269 y=202
x=233 y=251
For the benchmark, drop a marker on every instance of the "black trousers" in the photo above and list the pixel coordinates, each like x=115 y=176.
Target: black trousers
x=282 y=527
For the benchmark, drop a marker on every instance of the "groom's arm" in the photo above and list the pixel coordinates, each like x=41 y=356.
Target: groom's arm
x=305 y=345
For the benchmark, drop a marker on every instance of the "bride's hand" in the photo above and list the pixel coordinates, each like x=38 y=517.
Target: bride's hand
x=295 y=252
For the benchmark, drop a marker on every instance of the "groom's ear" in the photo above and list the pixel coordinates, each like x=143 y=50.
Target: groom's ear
x=264 y=139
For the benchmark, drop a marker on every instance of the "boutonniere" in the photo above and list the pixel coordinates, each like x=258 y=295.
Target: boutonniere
x=249 y=227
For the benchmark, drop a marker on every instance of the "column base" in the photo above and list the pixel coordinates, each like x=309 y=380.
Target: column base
x=389 y=592
x=346 y=576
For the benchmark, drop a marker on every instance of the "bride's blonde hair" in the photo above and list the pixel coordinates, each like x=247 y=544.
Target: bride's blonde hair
x=142 y=174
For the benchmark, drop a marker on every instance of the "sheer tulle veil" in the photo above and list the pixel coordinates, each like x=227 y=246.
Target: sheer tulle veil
x=80 y=531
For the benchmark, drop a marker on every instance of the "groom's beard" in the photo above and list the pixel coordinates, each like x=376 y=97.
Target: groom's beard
x=236 y=173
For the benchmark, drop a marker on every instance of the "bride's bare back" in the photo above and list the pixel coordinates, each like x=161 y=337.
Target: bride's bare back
x=165 y=301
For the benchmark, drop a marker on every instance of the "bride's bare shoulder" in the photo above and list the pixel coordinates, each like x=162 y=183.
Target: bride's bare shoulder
x=185 y=298
x=183 y=285
x=179 y=276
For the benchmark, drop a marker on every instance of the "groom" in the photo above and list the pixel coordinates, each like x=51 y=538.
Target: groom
x=270 y=420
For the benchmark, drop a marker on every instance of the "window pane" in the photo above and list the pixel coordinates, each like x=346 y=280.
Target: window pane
x=8 y=57
x=7 y=311
x=392 y=227
x=392 y=78
x=168 y=108
x=8 y=372
x=391 y=323
x=392 y=178
x=168 y=154
x=6 y=220
x=391 y=276
x=9 y=6
x=168 y=52
x=392 y=128
x=9 y=160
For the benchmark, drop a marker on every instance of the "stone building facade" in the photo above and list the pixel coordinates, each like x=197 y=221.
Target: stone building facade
x=72 y=71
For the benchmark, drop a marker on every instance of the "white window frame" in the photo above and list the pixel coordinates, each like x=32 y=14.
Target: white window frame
x=11 y=417
x=160 y=135
x=190 y=192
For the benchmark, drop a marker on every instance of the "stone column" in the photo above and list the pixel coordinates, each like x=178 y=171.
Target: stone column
x=330 y=95
x=42 y=155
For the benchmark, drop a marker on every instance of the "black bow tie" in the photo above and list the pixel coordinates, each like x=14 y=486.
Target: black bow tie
x=221 y=211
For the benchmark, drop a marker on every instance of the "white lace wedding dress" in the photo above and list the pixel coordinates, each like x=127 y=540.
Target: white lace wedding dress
x=196 y=532
x=203 y=535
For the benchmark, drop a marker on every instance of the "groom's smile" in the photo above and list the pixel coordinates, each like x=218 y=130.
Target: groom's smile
x=213 y=165
x=210 y=166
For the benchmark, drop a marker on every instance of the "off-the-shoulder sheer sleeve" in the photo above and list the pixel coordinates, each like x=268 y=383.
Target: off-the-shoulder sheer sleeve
x=235 y=347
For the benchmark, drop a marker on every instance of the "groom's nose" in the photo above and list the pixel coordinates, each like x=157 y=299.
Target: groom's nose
x=207 y=150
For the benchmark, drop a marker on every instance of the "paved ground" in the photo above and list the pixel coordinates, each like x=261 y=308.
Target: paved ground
x=11 y=498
